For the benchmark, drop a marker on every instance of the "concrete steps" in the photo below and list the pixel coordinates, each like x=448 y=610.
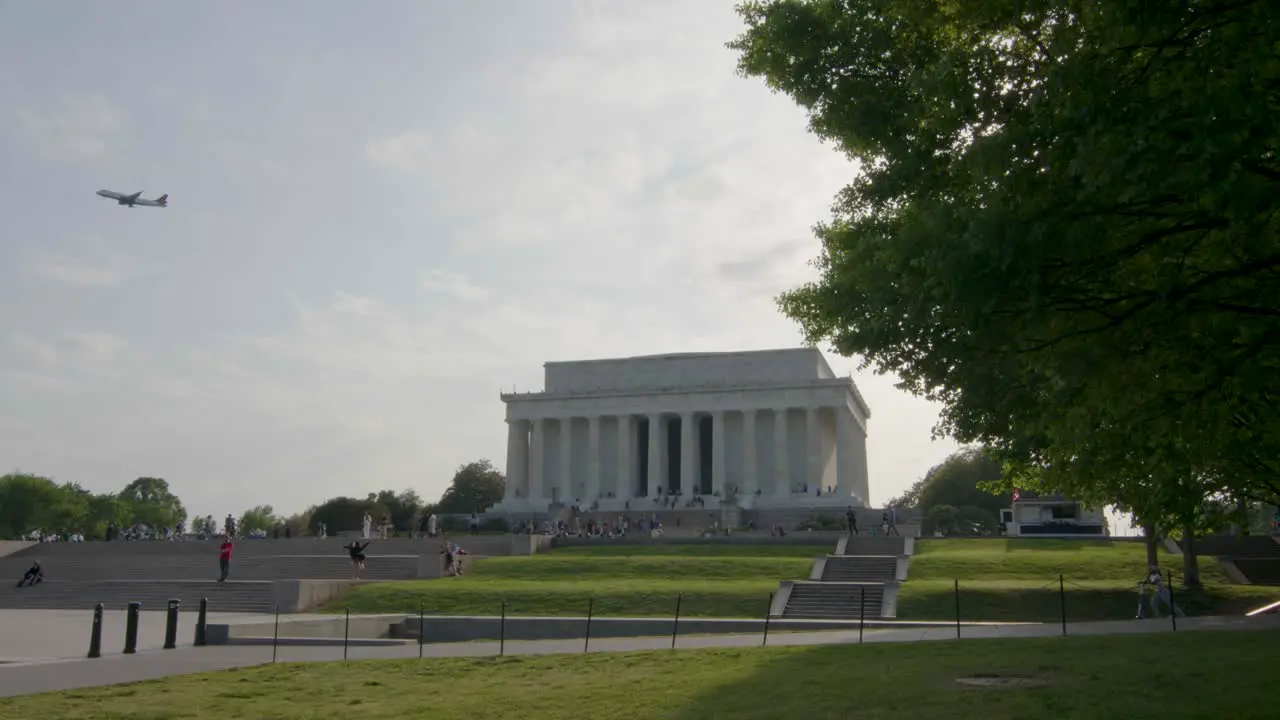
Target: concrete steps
x=1260 y=571
x=867 y=545
x=157 y=567
x=860 y=568
x=231 y=596
x=834 y=600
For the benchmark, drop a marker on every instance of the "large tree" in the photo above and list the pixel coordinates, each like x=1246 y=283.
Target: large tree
x=476 y=486
x=153 y=504
x=1065 y=225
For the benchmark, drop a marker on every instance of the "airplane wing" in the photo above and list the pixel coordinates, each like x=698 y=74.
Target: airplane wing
x=134 y=196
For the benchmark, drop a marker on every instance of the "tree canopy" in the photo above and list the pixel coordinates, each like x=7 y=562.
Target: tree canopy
x=1064 y=225
x=32 y=502
x=476 y=487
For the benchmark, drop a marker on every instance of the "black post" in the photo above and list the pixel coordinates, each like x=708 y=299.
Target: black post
x=862 y=612
x=346 y=634
x=957 y=591
x=586 y=644
x=202 y=636
x=421 y=625
x=171 y=625
x=768 y=613
x=1062 y=602
x=95 y=635
x=275 y=636
x=1173 y=612
x=675 y=627
x=502 y=631
x=131 y=628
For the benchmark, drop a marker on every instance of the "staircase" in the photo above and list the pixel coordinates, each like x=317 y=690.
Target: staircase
x=152 y=566
x=834 y=600
x=1257 y=557
x=854 y=568
x=231 y=596
x=79 y=575
x=860 y=582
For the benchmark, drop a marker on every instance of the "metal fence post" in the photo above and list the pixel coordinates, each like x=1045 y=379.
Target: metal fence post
x=346 y=633
x=957 y=592
x=862 y=612
x=1062 y=602
x=502 y=631
x=768 y=613
x=675 y=626
x=586 y=644
x=275 y=636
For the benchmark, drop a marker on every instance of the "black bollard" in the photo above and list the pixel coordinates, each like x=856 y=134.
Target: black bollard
x=1062 y=602
x=95 y=635
x=675 y=626
x=957 y=592
x=202 y=636
x=768 y=612
x=171 y=626
x=131 y=628
x=862 y=611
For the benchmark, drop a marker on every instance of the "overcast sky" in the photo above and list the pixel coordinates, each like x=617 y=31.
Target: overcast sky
x=380 y=218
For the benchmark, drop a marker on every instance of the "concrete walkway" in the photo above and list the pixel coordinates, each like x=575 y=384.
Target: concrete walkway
x=50 y=676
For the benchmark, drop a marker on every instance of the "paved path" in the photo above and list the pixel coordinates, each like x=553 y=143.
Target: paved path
x=49 y=676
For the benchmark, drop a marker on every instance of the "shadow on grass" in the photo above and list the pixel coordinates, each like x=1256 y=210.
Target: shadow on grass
x=1121 y=676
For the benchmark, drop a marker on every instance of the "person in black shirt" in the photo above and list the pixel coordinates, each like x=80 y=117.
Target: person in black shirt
x=33 y=575
x=356 y=550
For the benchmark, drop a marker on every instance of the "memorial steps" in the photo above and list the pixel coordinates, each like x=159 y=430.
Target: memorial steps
x=865 y=572
x=1257 y=557
x=155 y=567
x=246 y=596
x=844 y=568
x=79 y=575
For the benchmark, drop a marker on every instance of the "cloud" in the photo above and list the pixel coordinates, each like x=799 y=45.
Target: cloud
x=453 y=284
x=96 y=349
x=409 y=151
x=43 y=353
x=75 y=128
x=108 y=273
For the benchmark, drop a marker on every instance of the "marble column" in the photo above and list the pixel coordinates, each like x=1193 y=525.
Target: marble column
x=813 y=444
x=750 y=459
x=846 y=453
x=717 y=454
x=625 y=487
x=656 y=438
x=593 y=460
x=567 y=491
x=517 y=458
x=537 y=448
x=781 y=454
x=688 y=454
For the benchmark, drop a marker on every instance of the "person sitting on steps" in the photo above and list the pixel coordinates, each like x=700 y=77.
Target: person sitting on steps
x=33 y=575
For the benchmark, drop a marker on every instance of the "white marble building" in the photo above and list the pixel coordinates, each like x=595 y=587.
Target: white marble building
x=761 y=429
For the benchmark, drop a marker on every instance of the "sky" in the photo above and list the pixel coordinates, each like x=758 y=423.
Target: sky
x=378 y=221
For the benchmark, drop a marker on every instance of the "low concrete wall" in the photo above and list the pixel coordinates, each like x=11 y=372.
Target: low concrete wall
x=362 y=627
x=9 y=547
x=825 y=539
x=295 y=596
x=780 y=598
x=468 y=629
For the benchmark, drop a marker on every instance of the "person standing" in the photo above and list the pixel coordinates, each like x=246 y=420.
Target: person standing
x=366 y=527
x=224 y=557
x=851 y=517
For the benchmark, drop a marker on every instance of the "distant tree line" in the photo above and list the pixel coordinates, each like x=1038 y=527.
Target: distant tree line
x=31 y=502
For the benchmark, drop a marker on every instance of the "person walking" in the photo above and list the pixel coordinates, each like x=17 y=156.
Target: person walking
x=224 y=557
x=851 y=518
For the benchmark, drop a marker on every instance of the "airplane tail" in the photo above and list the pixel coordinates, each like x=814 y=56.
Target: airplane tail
x=163 y=200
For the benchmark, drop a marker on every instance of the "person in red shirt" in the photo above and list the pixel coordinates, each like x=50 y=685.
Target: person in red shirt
x=224 y=558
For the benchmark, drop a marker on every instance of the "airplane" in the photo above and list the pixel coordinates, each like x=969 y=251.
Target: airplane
x=134 y=199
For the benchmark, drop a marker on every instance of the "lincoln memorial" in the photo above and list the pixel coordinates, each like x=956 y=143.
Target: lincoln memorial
x=759 y=430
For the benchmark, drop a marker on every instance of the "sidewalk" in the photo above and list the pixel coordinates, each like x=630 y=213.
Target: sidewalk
x=50 y=676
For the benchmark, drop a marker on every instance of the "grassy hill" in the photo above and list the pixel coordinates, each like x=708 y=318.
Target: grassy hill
x=637 y=581
x=1017 y=580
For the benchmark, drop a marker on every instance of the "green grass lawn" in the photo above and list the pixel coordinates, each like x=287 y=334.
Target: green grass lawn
x=638 y=581
x=1166 y=676
x=1017 y=580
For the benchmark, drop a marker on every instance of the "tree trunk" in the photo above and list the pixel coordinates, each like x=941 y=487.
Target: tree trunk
x=1190 y=565
x=1152 y=542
